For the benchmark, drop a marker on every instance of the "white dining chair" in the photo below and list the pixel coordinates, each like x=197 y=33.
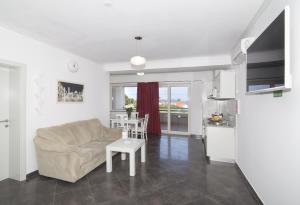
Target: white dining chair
x=121 y=118
x=121 y=115
x=135 y=115
x=142 y=129
x=146 y=120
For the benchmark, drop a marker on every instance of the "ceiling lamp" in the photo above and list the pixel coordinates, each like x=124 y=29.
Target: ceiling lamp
x=138 y=61
x=140 y=73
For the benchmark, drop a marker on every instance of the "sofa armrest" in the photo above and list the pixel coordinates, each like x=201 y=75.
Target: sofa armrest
x=112 y=133
x=60 y=165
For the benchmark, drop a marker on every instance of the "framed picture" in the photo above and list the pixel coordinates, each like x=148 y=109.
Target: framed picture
x=69 y=92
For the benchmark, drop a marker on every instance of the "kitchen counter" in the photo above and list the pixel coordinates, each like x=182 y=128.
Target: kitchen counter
x=220 y=143
x=219 y=140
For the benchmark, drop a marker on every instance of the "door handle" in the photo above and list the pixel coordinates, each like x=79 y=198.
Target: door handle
x=6 y=121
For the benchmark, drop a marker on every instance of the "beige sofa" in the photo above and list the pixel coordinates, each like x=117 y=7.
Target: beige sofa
x=70 y=151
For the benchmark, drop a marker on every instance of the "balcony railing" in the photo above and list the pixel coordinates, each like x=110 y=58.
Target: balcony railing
x=178 y=120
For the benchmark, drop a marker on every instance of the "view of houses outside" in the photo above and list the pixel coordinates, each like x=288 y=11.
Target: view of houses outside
x=179 y=98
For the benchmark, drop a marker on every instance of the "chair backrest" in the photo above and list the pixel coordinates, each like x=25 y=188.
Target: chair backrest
x=125 y=126
x=146 y=122
x=121 y=120
x=123 y=115
x=135 y=115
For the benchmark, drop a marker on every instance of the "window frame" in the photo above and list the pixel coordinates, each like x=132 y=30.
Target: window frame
x=123 y=85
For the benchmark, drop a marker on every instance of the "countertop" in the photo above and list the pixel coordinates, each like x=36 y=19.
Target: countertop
x=224 y=124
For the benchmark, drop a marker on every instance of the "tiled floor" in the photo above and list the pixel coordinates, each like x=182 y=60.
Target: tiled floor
x=176 y=172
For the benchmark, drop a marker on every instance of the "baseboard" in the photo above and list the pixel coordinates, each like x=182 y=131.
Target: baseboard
x=231 y=161
x=250 y=188
x=32 y=174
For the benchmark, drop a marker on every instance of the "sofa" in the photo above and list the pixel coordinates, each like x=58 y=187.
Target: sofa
x=70 y=151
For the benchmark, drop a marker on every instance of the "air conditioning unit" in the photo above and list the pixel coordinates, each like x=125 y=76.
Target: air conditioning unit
x=239 y=55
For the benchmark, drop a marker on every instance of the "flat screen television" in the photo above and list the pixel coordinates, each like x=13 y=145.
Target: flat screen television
x=268 y=58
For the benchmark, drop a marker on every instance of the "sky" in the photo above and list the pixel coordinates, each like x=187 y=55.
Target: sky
x=131 y=92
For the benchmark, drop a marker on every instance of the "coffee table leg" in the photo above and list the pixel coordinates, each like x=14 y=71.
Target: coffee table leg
x=123 y=156
x=143 y=153
x=132 y=164
x=108 y=160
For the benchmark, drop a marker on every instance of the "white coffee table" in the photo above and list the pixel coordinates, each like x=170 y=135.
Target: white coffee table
x=125 y=146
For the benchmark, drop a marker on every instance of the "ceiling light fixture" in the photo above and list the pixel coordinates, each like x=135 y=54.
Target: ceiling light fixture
x=138 y=61
x=140 y=73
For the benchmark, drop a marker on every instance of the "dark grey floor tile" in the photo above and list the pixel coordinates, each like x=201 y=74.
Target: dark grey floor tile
x=37 y=188
x=123 y=201
x=35 y=177
x=62 y=186
x=108 y=191
x=75 y=197
x=154 y=198
x=176 y=172
x=7 y=201
x=37 y=200
x=8 y=189
x=35 y=192
x=101 y=176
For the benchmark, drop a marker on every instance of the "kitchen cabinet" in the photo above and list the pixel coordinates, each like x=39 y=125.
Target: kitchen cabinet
x=224 y=85
x=220 y=143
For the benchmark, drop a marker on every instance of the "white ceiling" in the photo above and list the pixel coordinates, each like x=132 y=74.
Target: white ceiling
x=171 y=28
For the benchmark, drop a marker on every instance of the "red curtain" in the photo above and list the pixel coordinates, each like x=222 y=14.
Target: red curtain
x=148 y=103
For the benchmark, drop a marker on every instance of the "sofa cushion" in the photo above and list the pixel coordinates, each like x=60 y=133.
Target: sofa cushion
x=80 y=132
x=75 y=133
x=58 y=134
x=89 y=152
x=96 y=128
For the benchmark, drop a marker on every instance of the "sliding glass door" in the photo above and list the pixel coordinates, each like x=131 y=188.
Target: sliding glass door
x=174 y=108
x=179 y=112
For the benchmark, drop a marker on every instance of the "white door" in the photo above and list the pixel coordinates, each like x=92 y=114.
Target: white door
x=4 y=130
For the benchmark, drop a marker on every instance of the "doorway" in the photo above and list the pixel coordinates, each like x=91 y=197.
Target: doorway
x=12 y=121
x=174 y=108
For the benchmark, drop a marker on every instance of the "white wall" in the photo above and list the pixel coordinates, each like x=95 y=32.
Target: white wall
x=49 y=65
x=268 y=128
x=201 y=83
x=200 y=63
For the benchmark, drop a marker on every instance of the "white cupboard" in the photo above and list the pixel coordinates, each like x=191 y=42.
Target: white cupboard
x=220 y=143
x=224 y=83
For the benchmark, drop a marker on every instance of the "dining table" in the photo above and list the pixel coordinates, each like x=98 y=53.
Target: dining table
x=130 y=121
